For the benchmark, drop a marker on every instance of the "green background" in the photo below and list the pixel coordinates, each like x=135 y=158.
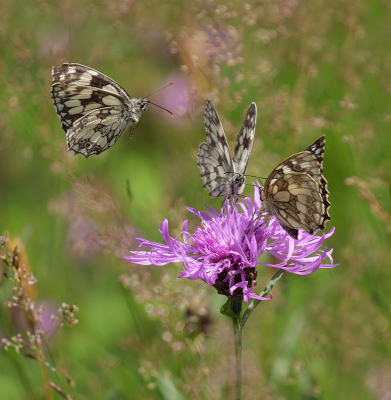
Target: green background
x=312 y=67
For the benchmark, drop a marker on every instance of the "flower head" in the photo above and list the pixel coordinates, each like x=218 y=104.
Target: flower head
x=224 y=249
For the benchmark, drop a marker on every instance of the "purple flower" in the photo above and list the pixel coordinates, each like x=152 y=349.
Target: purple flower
x=224 y=250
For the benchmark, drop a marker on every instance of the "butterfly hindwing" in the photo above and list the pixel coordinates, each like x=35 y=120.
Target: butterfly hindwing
x=222 y=175
x=96 y=131
x=296 y=191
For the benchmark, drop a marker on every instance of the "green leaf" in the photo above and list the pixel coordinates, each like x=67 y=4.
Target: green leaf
x=226 y=310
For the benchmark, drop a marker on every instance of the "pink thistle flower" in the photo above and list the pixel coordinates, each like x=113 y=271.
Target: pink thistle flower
x=224 y=249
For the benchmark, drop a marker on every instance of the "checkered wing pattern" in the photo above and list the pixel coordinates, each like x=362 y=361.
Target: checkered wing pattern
x=222 y=175
x=244 y=141
x=93 y=109
x=296 y=191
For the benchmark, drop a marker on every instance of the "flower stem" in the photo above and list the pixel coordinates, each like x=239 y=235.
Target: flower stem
x=236 y=307
x=233 y=309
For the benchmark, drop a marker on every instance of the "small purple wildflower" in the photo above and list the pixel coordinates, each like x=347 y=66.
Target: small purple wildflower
x=224 y=250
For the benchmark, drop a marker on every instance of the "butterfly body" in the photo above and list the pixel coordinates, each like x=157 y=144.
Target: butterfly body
x=93 y=109
x=296 y=191
x=222 y=174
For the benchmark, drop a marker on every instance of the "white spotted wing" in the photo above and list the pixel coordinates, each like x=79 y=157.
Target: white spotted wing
x=296 y=191
x=93 y=109
x=221 y=174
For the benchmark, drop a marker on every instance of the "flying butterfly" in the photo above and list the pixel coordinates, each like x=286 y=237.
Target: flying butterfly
x=93 y=109
x=296 y=191
x=221 y=174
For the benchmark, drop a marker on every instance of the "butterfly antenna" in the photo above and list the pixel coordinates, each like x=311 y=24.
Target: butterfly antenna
x=161 y=107
x=253 y=176
x=150 y=94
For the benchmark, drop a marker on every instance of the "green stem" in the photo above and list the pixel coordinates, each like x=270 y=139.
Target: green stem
x=233 y=309
x=236 y=307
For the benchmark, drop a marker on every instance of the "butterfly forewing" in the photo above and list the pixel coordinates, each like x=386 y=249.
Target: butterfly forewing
x=317 y=149
x=296 y=191
x=222 y=175
x=81 y=75
x=245 y=139
x=215 y=135
x=214 y=157
x=93 y=109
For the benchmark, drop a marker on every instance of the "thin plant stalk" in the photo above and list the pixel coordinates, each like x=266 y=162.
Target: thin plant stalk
x=233 y=309
x=236 y=307
x=45 y=376
x=238 y=357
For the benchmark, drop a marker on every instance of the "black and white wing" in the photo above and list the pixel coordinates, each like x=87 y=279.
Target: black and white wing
x=317 y=150
x=214 y=157
x=244 y=141
x=296 y=191
x=222 y=175
x=93 y=109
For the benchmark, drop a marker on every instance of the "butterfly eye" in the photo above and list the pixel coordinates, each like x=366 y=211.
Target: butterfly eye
x=143 y=104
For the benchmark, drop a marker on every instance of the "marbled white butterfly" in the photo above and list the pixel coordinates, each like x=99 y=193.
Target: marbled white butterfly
x=221 y=174
x=93 y=109
x=296 y=191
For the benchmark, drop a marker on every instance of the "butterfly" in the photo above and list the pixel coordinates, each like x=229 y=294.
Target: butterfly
x=93 y=109
x=221 y=174
x=296 y=191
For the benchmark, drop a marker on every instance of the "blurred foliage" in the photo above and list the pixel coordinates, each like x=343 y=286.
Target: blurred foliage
x=313 y=67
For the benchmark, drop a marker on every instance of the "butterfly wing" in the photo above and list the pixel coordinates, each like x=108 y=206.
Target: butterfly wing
x=73 y=102
x=72 y=74
x=317 y=150
x=244 y=141
x=96 y=131
x=214 y=157
x=296 y=191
